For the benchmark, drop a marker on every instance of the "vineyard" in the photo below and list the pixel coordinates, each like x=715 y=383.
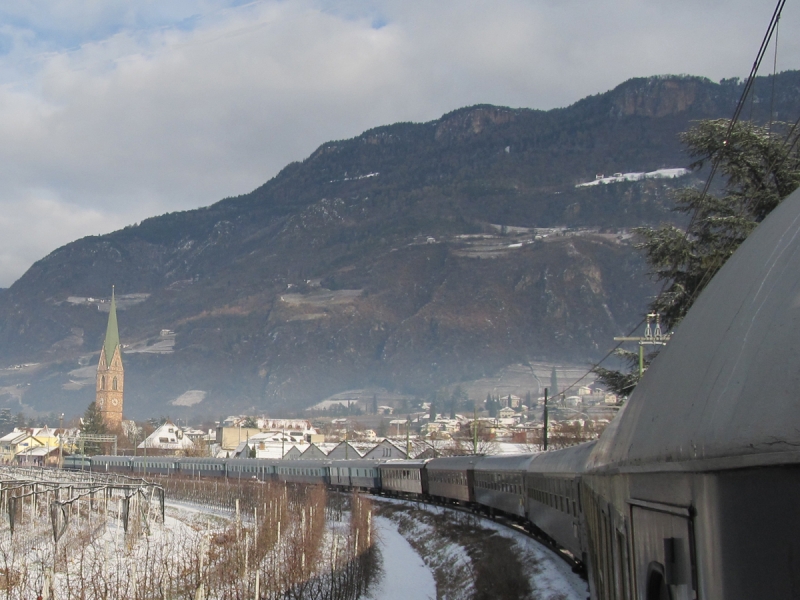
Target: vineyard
x=75 y=535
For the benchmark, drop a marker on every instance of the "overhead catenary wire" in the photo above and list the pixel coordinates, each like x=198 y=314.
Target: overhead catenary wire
x=772 y=28
x=598 y=363
x=748 y=87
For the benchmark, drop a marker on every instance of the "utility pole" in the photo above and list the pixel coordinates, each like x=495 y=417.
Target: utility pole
x=408 y=436
x=544 y=428
x=60 y=444
x=652 y=337
x=475 y=428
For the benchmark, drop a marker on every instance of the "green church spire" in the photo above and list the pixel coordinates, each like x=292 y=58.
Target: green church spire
x=112 y=333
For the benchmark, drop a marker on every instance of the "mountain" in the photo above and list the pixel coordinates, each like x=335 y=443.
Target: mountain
x=413 y=256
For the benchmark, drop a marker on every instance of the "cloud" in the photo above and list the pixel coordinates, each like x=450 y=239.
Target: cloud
x=118 y=111
x=38 y=220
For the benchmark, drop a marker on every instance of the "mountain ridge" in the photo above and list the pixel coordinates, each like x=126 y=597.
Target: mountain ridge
x=355 y=266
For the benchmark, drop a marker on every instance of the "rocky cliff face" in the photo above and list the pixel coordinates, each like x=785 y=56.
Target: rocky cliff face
x=662 y=97
x=410 y=257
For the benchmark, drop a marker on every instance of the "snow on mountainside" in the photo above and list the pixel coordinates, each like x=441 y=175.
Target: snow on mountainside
x=620 y=177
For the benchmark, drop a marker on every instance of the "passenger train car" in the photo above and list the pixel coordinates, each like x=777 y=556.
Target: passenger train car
x=692 y=491
x=500 y=483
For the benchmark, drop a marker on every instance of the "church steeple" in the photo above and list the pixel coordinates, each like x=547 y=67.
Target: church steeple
x=110 y=373
x=112 y=332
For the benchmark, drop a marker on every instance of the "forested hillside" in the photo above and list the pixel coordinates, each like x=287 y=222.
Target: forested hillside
x=410 y=257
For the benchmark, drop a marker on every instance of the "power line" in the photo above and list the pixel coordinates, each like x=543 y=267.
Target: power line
x=749 y=83
x=773 y=24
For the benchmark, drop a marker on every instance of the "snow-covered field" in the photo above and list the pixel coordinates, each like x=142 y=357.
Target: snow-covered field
x=66 y=535
x=432 y=552
x=84 y=537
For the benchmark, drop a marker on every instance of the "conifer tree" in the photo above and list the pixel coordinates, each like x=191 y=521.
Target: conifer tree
x=93 y=424
x=553 y=382
x=760 y=166
x=93 y=420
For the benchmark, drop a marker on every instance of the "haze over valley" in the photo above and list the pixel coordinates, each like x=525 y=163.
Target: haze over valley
x=411 y=257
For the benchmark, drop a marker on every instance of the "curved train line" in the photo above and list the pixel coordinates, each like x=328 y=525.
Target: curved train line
x=690 y=493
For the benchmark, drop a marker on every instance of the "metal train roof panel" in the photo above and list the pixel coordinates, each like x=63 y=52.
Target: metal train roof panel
x=452 y=463
x=399 y=463
x=302 y=463
x=567 y=460
x=515 y=462
x=357 y=463
x=727 y=386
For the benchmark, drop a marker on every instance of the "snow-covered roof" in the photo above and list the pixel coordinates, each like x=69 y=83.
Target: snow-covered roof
x=167 y=437
x=10 y=437
x=39 y=451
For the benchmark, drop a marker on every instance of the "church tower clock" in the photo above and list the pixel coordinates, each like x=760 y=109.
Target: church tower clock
x=110 y=374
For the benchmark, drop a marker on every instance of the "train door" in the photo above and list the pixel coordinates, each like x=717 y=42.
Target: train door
x=663 y=551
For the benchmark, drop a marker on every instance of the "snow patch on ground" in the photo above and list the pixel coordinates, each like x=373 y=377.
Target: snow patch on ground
x=404 y=572
x=456 y=575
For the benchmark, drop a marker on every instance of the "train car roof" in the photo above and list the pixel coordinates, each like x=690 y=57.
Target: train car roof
x=320 y=462
x=507 y=462
x=357 y=463
x=249 y=461
x=449 y=463
x=724 y=390
x=400 y=463
x=567 y=460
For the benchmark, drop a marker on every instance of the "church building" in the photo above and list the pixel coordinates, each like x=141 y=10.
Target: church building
x=110 y=374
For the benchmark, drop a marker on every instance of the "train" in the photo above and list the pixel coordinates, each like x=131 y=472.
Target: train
x=691 y=493
x=532 y=490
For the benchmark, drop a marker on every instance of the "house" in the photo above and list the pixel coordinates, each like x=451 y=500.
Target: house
x=16 y=442
x=167 y=439
x=506 y=413
x=386 y=449
x=274 y=444
x=230 y=437
x=243 y=450
x=294 y=453
x=47 y=437
x=313 y=452
x=195 y=434
x=344 y=450
x=40 y=456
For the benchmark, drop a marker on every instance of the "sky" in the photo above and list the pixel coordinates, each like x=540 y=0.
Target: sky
x=113 y=111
